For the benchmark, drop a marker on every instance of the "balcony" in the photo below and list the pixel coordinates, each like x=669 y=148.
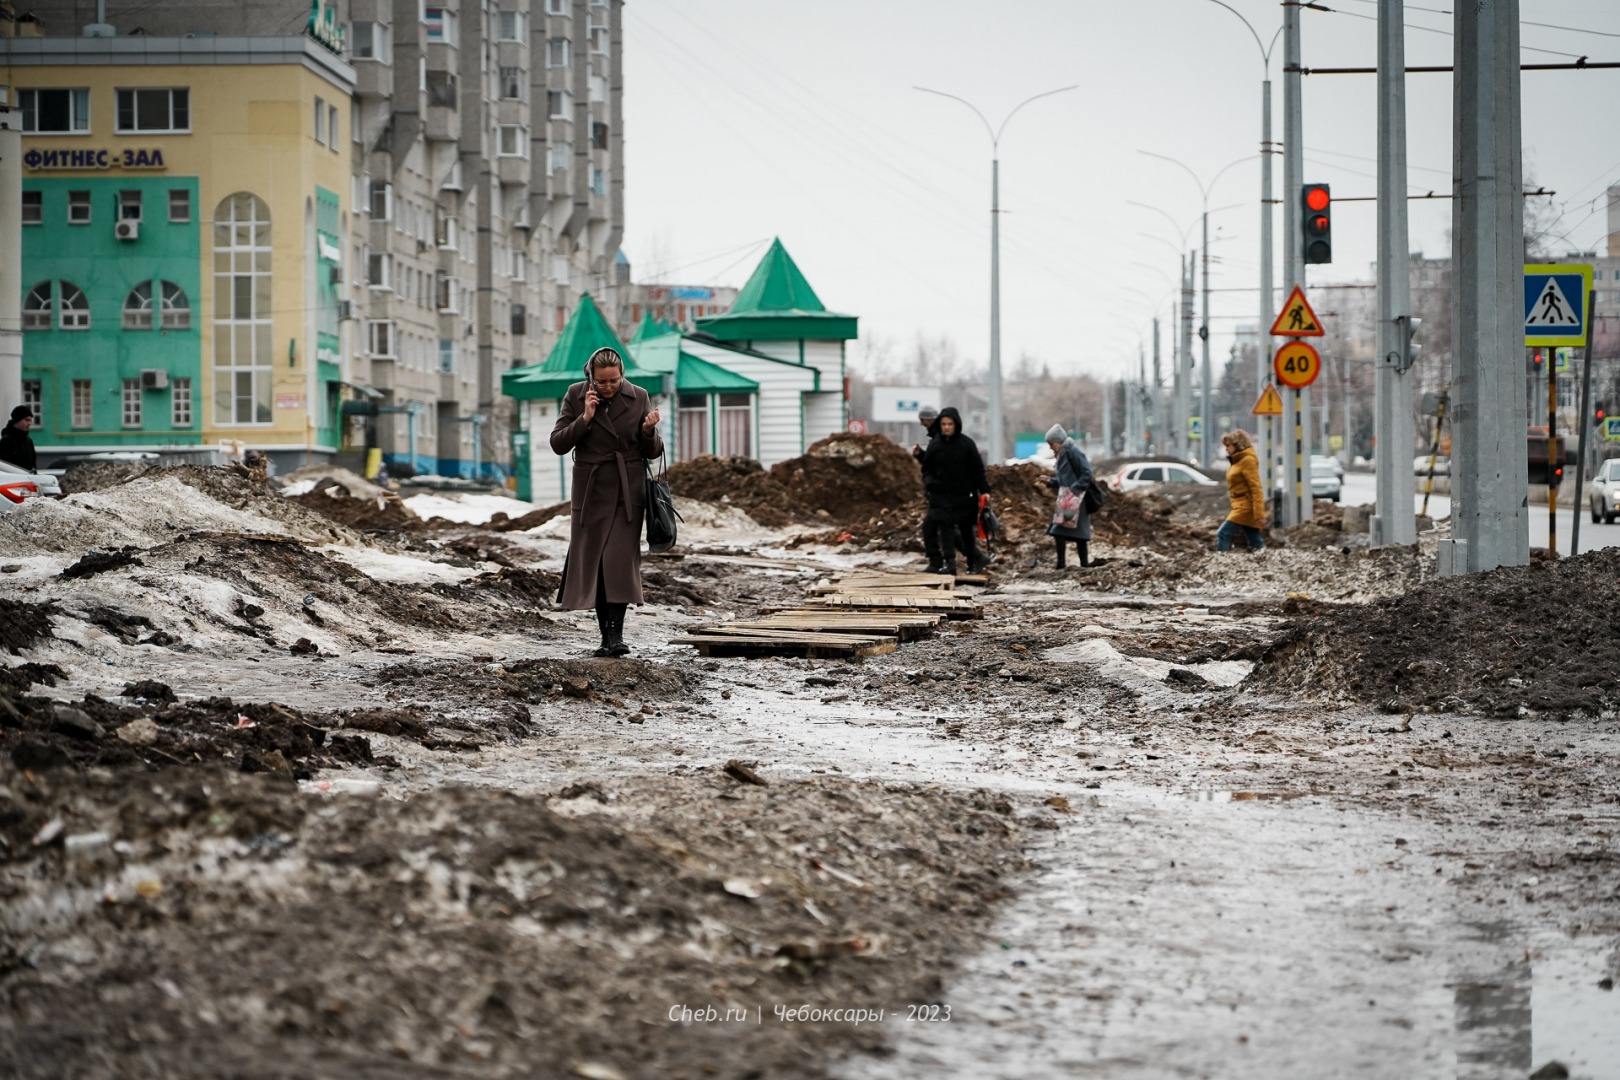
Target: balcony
x=443 y=120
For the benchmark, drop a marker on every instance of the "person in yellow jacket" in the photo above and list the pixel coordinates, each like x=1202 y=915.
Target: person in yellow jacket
x=1247 y=494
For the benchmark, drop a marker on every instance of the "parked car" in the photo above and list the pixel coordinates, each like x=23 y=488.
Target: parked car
x=1147 y=473
x=1327 y=478
x=1442 y=465
x=17 y=485
x=1605 y=497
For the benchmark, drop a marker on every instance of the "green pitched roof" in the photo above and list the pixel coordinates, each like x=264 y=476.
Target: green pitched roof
x=586 y=332
x=662 y=355
x=778 y=304
x=651 y=328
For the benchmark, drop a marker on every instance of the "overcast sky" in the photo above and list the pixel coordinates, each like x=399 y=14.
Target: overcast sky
x=751 y=120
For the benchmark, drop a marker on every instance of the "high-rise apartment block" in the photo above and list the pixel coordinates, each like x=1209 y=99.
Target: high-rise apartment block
x=428 y=192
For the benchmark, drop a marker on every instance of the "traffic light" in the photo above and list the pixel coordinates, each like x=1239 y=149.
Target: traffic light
x=1555 y=473
x=1599 y=413
x=1316 y=229
x=1537 y=363
x=1410 y=349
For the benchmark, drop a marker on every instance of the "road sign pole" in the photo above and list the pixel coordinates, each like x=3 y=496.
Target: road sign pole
x=1555 y=457
x=1584 y=422
x=1295 y=509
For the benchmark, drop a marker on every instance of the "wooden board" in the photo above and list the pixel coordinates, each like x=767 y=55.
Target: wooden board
x=810 y=646
x=901 y=627
x=954 y=607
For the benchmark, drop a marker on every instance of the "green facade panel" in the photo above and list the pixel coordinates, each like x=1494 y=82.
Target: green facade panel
x=76 y=241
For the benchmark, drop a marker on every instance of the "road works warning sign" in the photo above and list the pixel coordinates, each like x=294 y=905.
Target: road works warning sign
x=1296 y=319
x=1555 y=304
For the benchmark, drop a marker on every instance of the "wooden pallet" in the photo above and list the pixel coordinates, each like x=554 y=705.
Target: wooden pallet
x=810 y=645
x=897 y=583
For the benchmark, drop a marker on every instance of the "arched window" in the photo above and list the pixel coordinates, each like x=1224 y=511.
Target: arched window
x=242 y=349
x=138 y=307
x=176 y=307
x=36 y=313
x=75 y=307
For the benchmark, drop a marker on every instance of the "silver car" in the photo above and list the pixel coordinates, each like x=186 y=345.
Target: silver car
x=1605 y=497
x=17 y=485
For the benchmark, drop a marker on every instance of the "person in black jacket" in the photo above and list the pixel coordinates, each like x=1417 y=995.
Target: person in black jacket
x=953 y=478
x=16 y=446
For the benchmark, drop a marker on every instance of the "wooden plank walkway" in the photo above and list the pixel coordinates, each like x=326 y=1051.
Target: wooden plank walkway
x=860 y=614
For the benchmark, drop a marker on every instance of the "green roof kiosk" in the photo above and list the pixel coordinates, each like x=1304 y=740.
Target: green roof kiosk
x=778 y=315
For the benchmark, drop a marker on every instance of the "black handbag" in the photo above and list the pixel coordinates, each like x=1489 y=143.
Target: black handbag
x=661 y=512
x=1094 y=497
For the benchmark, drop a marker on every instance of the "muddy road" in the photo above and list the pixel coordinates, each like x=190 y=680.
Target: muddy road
x=283 y=797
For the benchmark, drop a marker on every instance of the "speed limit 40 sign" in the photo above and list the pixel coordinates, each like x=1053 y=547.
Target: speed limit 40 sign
x=1297 y=365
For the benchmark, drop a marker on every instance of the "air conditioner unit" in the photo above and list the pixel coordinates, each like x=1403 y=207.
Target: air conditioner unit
x=127 y=230
x=154 y=379
x=345 y=310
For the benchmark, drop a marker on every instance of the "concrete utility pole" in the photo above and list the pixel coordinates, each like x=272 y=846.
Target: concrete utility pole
x=1268 y=299
x=1394 y=521
x=1295 y=438
x=1490 y=474
x=1203 y=332
x=1184 y=361
x=1108 y=418
x=11 y=338
x=1157 y=424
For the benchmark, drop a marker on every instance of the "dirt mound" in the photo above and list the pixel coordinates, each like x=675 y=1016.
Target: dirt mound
x=740 y=482
x=1466 y=643
x=98 y=475
x=532 y=520
x=851 y=478
x=22 y=624
x=153 y=734
x=331 y=500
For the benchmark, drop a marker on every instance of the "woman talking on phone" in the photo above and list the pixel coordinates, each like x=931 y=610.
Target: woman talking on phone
x=611 y=428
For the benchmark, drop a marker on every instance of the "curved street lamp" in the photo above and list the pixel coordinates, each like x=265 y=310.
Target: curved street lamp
x=997 y=440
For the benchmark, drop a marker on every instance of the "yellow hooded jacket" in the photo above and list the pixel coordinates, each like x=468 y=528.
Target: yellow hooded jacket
x=1243 y=488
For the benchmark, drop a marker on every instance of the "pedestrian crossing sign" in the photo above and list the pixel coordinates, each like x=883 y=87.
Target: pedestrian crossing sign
x=1555 y=298
x=1270 y=403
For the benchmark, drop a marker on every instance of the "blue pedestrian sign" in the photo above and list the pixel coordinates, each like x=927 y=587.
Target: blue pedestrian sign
x=1555 y=304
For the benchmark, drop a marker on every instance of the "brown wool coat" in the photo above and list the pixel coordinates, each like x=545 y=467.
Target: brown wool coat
x=1243 y=488
x=608 y=494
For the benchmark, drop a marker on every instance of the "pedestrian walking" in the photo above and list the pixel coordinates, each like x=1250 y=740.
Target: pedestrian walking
x=1070 y=522
x=953 y=479
x=1243 y=490
x=611 y=428
x=16 y=445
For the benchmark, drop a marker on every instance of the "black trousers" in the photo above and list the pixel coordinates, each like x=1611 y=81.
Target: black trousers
x=947 y=530
x=1081 y=548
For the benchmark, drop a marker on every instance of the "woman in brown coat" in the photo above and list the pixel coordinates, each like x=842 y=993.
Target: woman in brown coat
x=611 y=428
x=1244 y=489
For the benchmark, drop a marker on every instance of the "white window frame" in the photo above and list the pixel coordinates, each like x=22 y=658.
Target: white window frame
x=559 y=47
x=514 y=79
x=181 y=410
x=447 y=356
x=445 y=33
x=380 y=271
x=78 y=110
x=332 y=127
x=83 y=405
x=377 y=48
x=447 y=231
x=180 y=208
x=130 y=398
x=558 y=7
x=564 y=109
x=33 y=396
x=320 y=120
x=512 y=141
x=181 y=94
x=598 y=88
x=71 y=317
x=129 y=205
x=501 y=21
x=33 y=208
x=86 y=204
x=599 y=41
x=446 y=293
x=39 y=306
x=382 y=339
x=243 y=350
x=520 y=265
x=562 y=157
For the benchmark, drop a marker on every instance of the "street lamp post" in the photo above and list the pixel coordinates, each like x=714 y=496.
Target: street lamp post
x=1267 y=250
x=1203 y=329
x=997 y=440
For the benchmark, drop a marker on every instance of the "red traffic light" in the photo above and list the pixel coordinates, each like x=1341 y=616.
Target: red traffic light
x=1317 y=198
x=1319 y=224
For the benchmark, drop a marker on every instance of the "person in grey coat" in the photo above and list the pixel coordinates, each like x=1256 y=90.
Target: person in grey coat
x=1073 y=474
x=609 y=425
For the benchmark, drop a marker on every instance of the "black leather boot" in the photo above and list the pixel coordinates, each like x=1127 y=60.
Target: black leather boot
x=604 y=623
x=615 y=640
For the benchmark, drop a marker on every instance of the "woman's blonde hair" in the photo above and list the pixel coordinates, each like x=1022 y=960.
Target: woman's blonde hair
x=1237 y=440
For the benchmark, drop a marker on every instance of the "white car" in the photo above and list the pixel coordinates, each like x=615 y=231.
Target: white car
x=1327 y=478
x=1605 y=497
x=1148 y=473
x=17 y=485
x=1442 y=465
